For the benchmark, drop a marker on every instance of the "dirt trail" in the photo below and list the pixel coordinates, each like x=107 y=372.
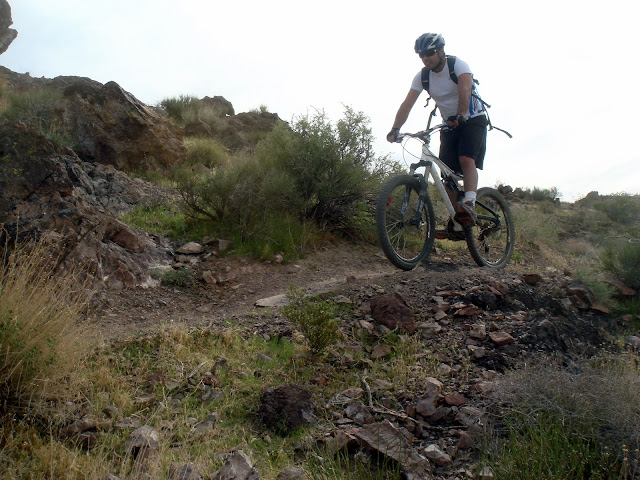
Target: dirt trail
x=132 y=312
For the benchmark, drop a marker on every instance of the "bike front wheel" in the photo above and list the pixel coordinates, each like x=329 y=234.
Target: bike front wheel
x=405 y=233
x=491 y=240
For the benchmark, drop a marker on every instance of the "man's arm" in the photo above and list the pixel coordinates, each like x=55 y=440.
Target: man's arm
x=465 y=83
x=403 y=112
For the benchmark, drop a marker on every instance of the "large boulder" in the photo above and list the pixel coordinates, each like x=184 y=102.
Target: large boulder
x=46 y=190
x=113 y=127
x=7 y=35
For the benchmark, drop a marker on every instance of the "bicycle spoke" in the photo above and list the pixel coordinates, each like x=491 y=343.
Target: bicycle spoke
x=403 y=230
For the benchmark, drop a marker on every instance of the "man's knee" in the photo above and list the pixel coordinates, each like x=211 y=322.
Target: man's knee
x=467 y=162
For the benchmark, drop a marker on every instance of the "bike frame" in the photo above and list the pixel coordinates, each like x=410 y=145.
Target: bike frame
x=435 y=168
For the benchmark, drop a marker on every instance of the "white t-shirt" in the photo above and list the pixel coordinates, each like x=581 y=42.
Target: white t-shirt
x=445 y=92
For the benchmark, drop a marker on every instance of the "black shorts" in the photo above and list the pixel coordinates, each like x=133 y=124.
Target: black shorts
x=468 y=140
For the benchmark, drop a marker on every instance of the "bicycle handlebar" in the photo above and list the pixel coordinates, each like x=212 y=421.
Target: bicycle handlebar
x=422 y=135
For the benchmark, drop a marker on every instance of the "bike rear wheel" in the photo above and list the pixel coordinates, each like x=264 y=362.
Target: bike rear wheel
x=406 y=235
x=491 y=240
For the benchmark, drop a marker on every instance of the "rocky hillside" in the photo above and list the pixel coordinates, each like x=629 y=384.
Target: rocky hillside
x=73 y=195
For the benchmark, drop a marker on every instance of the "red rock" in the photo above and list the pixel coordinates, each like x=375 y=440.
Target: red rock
x=501 y=338
x=532 y=278
x=599 y=307
x=392 y=311
x=455 y=399
x=468 y=311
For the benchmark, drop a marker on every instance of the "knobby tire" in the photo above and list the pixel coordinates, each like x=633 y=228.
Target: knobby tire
x=492 y=239
x=402 y=239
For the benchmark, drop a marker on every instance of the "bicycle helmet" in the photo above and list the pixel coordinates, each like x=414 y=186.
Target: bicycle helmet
x=429 y=40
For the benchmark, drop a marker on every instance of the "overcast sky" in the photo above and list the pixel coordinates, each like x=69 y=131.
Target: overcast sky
x=561 y=76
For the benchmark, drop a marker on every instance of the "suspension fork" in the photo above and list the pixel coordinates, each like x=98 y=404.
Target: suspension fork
x=416 y=220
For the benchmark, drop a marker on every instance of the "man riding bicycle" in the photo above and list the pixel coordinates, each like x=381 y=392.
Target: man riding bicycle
x=450 y=83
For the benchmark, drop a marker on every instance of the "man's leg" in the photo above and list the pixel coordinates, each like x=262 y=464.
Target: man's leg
x=466 y=206
x=470 y=174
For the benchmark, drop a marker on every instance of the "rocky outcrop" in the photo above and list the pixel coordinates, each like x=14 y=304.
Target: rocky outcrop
x=113 y=127
x=22 y=82
x=244 y=129
x=223 y=106
x=47 y=190
x=7 y=35
x=107 y=124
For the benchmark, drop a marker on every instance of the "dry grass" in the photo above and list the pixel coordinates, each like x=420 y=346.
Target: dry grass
x=42 y=339
x=552 y=412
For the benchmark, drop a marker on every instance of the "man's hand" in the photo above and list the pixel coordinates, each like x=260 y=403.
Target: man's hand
x=454 y=121
x=393 y=135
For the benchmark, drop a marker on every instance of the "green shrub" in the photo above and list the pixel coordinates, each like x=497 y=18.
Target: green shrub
x=316 y=319
x=175 y=107
x=188 y=109
x=622 y=259
x=41 y=338
x=539 y=194
x=243 y=194
x=162 y=219
x=207 y=152
x=330 y=165
x=622 y=208
x=180 y=277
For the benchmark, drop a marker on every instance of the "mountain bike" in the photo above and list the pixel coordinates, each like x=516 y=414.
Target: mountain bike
x=406 y=222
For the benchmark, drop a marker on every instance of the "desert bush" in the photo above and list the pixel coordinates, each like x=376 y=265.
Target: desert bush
x=538 y=194
x=261 y=109
x=573 y=423
x=541 y=194
x=331 y=166
x=207 y=152
x=41 y=337
x=175 y=107
x=315 y=318
x=188 y=109
x=242 y=194
x=622 y=258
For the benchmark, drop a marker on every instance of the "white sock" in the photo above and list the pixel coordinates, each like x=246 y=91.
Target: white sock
x=470 y=197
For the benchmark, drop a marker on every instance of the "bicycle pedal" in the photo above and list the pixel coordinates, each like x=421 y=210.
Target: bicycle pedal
x=464 y=219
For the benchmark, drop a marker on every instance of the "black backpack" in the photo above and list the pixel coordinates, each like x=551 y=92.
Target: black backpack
x=451 y=62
